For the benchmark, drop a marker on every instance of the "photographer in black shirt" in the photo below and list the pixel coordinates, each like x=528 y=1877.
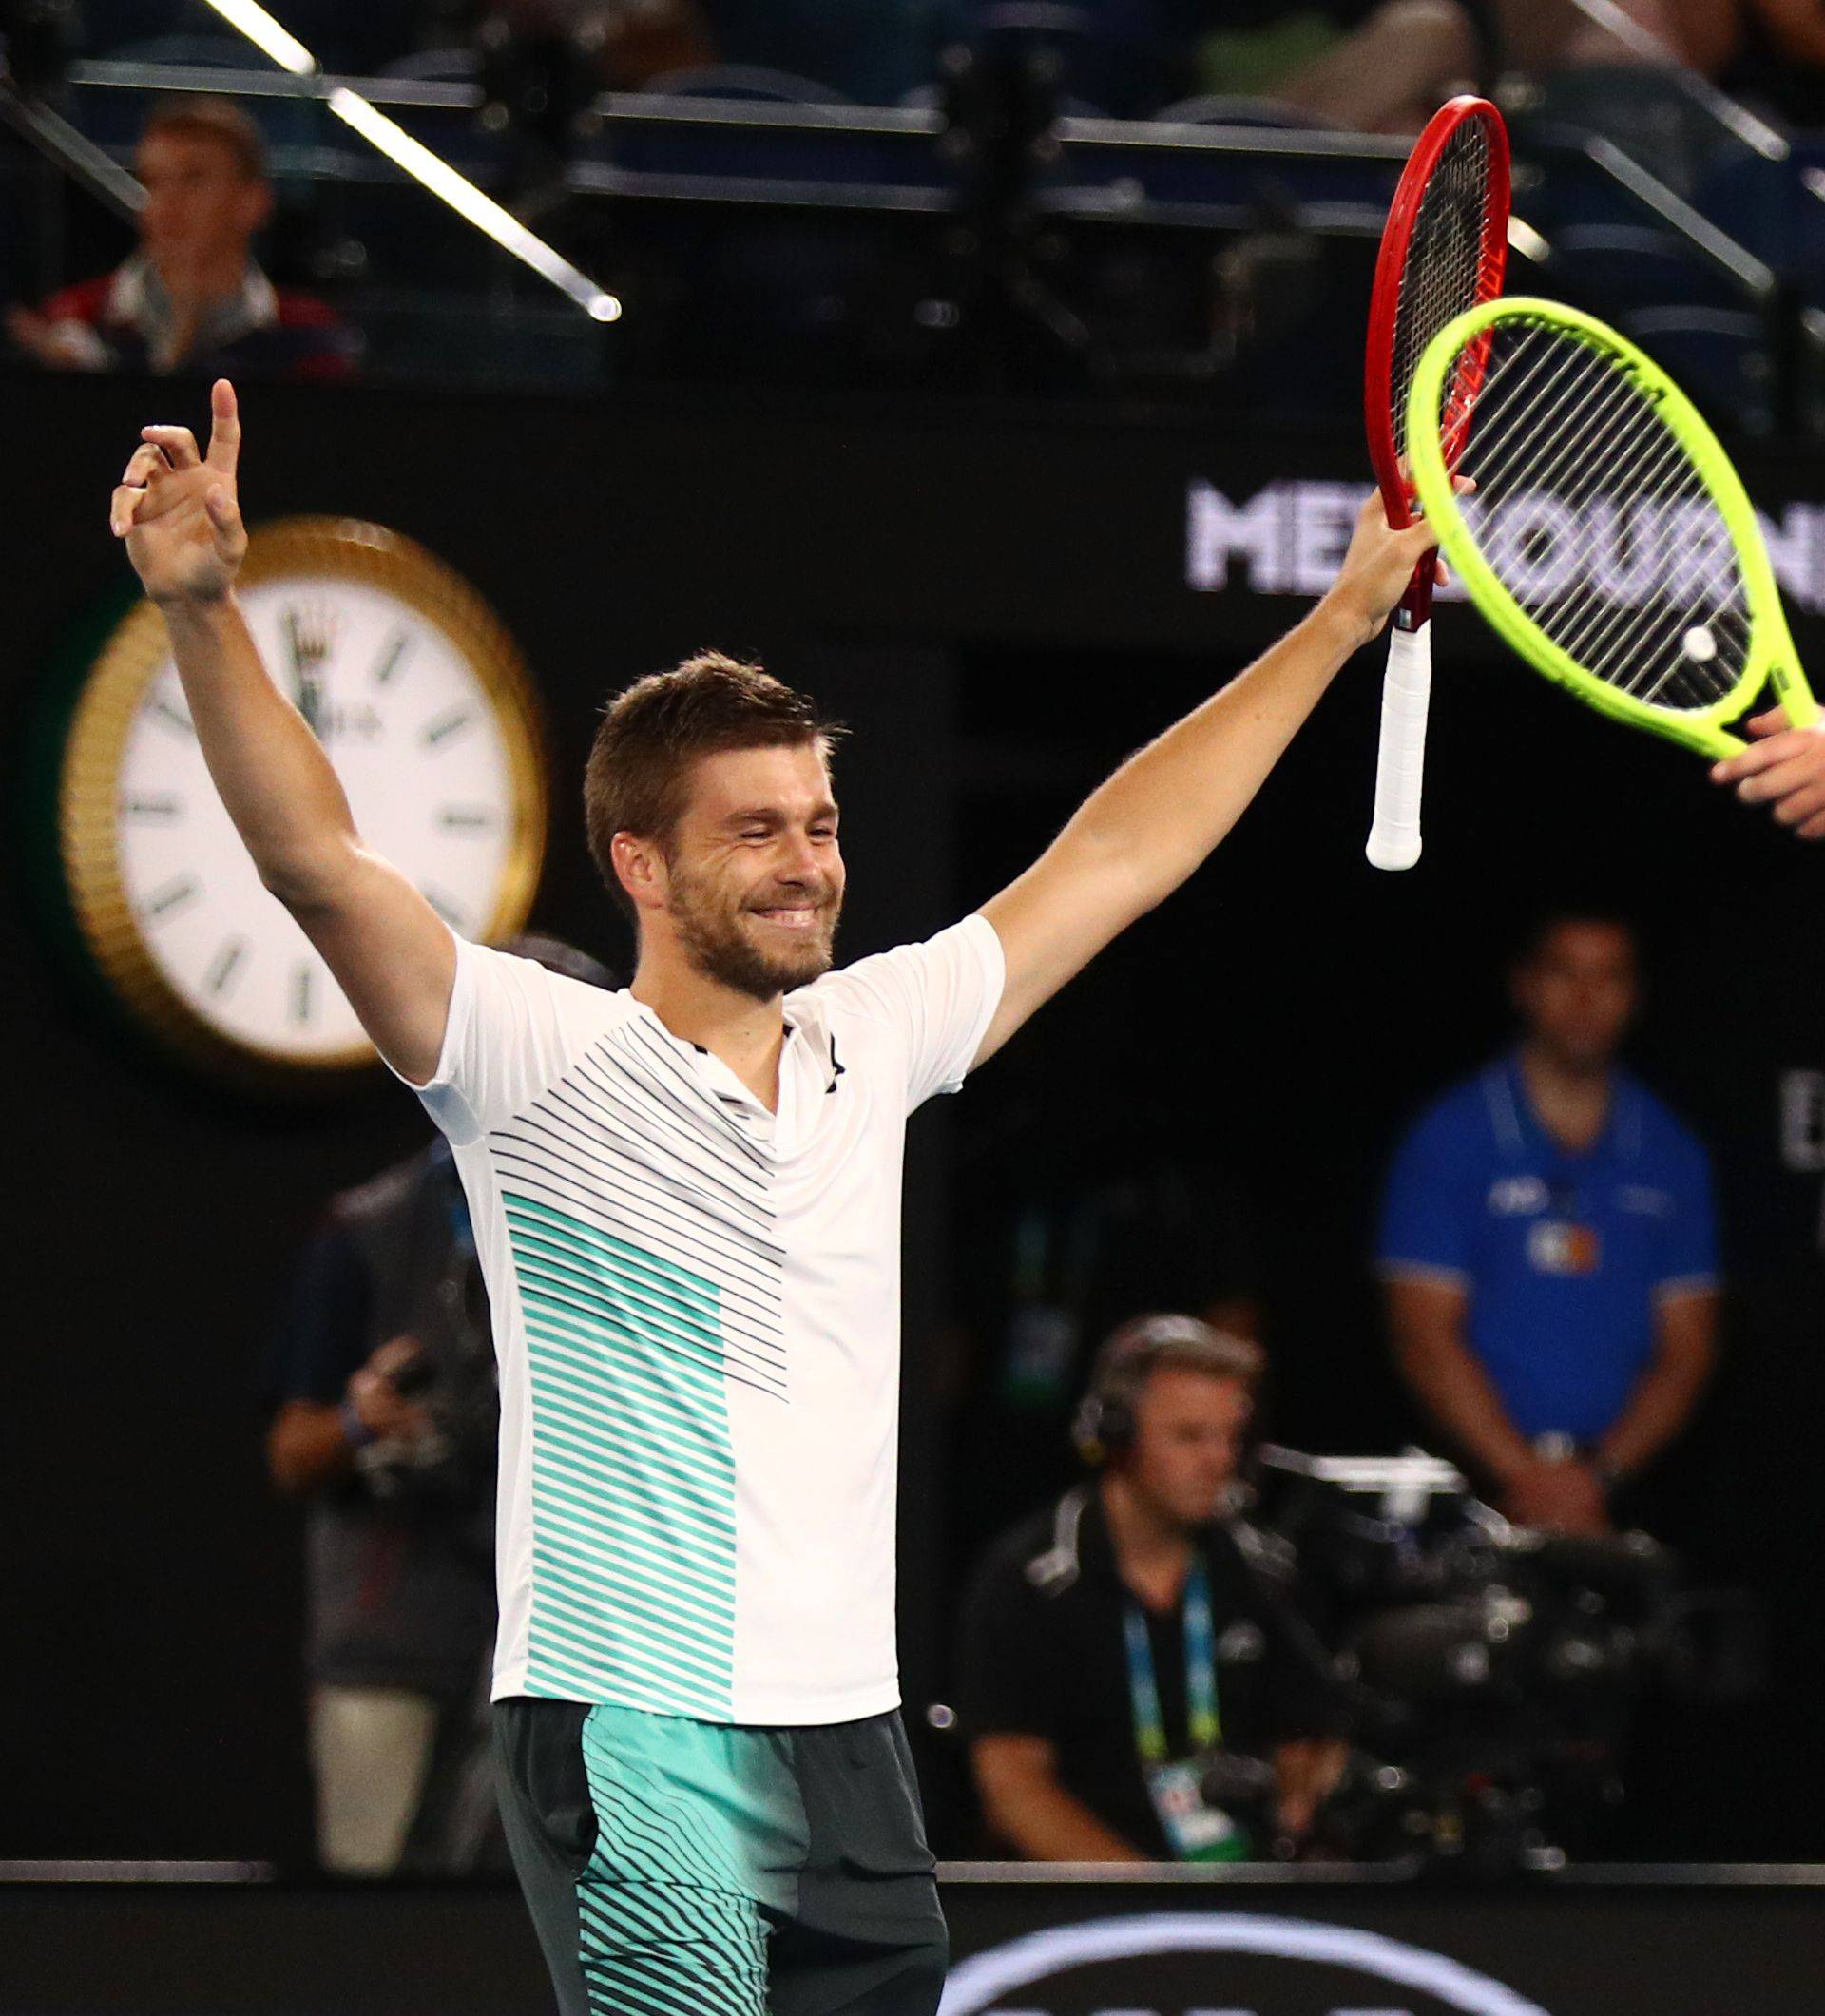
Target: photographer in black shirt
x=384 y=1408
x=1135 y=1682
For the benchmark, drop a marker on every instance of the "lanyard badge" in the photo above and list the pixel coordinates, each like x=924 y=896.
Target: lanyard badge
x=1196 y=1831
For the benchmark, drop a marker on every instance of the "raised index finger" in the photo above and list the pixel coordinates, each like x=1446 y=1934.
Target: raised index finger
x=224 y=427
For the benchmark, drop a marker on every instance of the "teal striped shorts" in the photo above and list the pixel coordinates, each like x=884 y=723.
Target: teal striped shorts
x=677 y=1867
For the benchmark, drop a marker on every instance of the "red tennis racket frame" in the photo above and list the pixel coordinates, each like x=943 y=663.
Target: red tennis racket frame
x=1384 y=310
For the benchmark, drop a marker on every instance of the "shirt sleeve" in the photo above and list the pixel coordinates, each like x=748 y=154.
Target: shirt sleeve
x=320 y=1340
x=940 y=996
x=1688 y=1257
x=503 y=1043
x=1006 y=1656
x=1426 y=1210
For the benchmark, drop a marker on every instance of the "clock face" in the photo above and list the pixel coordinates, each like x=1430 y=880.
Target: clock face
x=416 y=697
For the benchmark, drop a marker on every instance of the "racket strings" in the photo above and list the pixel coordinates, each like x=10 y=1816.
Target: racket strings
x=1535 y=380
x=1618 y=632
x=1589 y=511
x=1543 y=380
x=1618 y=625
x=1617 y=629
x=1622 y=437
x=1445 y=272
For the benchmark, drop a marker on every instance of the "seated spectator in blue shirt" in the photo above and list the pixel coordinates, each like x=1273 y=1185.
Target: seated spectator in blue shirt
x=1547 y=1247
x=874 y=53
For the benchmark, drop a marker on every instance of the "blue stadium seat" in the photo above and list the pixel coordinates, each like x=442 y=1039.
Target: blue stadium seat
x=1229 y=108
x=744 y=80
x=1613 y=268
x=1778 y=211
x=869 y=51
x=1759 y=203
x=790 y=152
x=1644 y=111
x=928 y=97
x=1717 y=355
x=452 y=66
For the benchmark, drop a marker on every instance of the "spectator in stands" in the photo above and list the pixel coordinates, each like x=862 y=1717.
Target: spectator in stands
x=1128 y=1645
x=1768 y=50
x=1366 y=65
x=191 y=298
x=385 y=1408
x=1547 y=1246
x=1539 y=37
x=628 y=43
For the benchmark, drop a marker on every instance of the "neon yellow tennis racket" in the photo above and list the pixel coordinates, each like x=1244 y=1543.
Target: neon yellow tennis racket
x=1609 y=541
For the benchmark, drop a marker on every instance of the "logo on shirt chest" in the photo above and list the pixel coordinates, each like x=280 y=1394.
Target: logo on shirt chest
x=1555 y=1247
x=1517 y=1195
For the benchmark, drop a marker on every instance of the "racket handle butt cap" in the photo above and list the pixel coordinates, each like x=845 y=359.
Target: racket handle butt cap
x=1392 y=850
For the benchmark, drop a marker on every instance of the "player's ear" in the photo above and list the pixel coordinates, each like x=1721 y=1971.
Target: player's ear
x=256 y=205
x=639 y=863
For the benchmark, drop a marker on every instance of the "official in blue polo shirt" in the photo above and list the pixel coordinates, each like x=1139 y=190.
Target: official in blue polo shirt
x=1548 y=1250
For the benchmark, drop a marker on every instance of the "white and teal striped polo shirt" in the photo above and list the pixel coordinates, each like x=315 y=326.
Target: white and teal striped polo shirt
x=697 y=1312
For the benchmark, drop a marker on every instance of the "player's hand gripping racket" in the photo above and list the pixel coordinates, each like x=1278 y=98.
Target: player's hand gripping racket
x=1610 y=541
x=1443 y=250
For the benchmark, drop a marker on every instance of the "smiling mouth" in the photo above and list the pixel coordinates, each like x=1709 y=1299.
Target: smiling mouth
x=791 y=917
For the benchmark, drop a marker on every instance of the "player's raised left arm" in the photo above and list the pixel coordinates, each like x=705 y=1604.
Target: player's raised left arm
x=1138 y=836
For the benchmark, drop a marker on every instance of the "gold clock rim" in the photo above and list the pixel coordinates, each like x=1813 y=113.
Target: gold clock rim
x=89 y=823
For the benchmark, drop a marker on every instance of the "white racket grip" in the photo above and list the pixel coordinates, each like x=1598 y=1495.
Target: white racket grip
x=1400 y=768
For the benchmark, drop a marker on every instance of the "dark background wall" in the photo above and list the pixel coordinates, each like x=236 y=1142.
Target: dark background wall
x=998 y=604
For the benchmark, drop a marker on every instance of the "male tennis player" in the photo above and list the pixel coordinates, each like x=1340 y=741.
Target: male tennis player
x=685 y=1197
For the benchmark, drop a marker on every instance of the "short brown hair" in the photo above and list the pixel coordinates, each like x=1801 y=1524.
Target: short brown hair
x=1136 y=1350
x=217 y=121
x=651 y=734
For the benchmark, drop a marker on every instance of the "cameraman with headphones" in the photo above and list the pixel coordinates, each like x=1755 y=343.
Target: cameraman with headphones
x=1127 y=1656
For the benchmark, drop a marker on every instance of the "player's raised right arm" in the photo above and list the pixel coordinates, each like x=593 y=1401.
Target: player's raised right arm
x=391 y=954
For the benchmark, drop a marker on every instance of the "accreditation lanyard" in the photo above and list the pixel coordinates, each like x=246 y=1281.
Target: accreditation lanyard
x=1200 y=1673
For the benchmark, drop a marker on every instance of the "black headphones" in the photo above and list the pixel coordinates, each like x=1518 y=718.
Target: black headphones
x=1102 y=1425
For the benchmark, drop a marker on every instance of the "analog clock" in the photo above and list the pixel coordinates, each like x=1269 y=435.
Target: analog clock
x=420 y=700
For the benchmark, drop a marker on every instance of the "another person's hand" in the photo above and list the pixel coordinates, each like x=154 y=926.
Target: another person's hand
x=1784 y=769
x=178 y=509
x=1379 y=563
x=1308 y=1771
x=58 y=346
x=1558 y=1495
x=386 y=1413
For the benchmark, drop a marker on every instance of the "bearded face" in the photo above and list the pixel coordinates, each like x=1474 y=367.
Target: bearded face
x=754 y=873
x=762 y=941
